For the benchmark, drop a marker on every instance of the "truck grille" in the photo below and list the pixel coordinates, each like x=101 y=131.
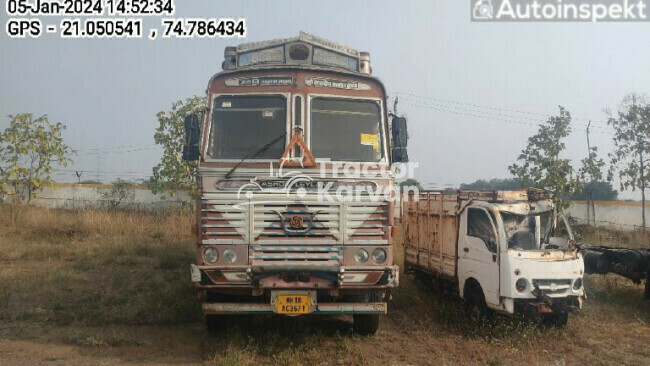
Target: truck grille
x=552 y=287
x=221 y=222
x=277 y=258
x=367 y=222
x=229 y=221
x=320 y=222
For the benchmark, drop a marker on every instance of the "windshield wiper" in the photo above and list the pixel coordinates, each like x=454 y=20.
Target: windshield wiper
x=255 y=153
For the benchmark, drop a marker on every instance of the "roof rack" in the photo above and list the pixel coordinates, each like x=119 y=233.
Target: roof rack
x=526 y=194
x=306 y=49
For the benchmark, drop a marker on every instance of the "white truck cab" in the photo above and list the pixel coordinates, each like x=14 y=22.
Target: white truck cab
x=507 y=251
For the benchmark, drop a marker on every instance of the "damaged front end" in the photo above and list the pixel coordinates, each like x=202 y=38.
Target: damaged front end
x=543 y=270
x=545 y=281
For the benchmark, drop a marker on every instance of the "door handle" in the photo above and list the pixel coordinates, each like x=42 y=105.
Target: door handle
x=494 y=257
x=466 y=250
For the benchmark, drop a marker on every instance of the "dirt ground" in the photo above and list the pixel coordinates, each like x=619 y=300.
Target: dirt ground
x=76 y=290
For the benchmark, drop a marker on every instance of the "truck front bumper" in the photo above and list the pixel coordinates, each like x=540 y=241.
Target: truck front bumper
x=569 y=304
x=322 y=309
x=344 y=278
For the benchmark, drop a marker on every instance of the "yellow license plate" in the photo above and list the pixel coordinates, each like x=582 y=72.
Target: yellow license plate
x=292 y=304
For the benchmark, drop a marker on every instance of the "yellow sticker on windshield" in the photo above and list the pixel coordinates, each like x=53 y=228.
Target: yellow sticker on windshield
x=370 y=139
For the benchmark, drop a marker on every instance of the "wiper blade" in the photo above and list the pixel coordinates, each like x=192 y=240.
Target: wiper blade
x=255 y=153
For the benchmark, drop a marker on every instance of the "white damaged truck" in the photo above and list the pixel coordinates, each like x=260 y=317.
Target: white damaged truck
x=504 y=251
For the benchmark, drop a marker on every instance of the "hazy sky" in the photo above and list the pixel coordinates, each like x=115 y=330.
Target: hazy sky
x=478 y=75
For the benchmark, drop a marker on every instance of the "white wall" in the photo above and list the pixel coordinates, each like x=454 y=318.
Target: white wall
x=67 y=195
x=619 y=215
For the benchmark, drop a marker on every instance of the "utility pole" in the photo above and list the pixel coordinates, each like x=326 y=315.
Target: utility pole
x=591 y=206
x=395 y=105
x=98 y=165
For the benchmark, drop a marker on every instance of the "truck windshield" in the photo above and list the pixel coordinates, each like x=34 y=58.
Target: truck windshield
x=241 y=124
x=346 y=130
x=524 y=232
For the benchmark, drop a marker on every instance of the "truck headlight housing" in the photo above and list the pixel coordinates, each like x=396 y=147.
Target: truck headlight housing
x=229 y=256
x=521 y=284
x=577 y=284
x=210 y=255
x=379 y=256
x=361 y=256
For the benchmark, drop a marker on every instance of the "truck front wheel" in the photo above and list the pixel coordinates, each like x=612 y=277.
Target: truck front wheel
x=475 y=306
x=366 y=324
x=213 y=323
x=558 y=320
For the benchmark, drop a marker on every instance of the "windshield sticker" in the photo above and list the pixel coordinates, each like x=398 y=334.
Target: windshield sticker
x=339 y=84
x=268 y=113
x=226 y=104
x=370 y=139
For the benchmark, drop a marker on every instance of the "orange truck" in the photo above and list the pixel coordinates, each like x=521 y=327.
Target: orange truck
x=287 y=122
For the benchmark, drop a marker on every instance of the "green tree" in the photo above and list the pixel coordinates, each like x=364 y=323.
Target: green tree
x=597 y=191
x=172 y=172
x=540 y=163
x=120 y=193
x=29 y=149
x=632 y=146
x=591 y=173
x=494 y=184
x=591 y=170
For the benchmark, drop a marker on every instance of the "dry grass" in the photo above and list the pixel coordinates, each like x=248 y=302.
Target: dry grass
x=94 y=287
x=96 y=267
x=612 y=238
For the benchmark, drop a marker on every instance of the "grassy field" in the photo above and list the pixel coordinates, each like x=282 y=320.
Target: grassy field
x=94 y=287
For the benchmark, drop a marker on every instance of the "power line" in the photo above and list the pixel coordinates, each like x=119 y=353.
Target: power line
x=74 y=171
x=120 y=152
x=492 y=108
x=472 y=113
x=493 y=113
x=115 y=147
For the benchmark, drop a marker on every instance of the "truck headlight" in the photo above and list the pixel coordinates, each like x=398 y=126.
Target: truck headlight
x=521 y=284
x=361 y=256
x=577 y=284
x=379 y=256
x=229 y=256
x=210 y=255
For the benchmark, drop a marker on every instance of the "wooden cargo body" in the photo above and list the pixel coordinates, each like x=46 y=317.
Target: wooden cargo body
x=431 y=232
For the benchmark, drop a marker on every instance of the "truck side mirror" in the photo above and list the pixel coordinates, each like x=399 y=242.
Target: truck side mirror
x=192 y=138
x=400 y=137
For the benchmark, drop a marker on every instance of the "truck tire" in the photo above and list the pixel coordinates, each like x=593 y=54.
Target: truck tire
x=558 y=320
x=213 y=322
x=475 y=306
x=366 y=324
x=646 y=293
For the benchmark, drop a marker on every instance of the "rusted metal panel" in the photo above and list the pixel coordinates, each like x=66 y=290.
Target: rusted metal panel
x=431 y=231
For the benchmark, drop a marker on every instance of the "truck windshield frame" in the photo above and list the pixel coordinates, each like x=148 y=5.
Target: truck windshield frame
x=232 y=139
x=525 y=232
x=355 y=145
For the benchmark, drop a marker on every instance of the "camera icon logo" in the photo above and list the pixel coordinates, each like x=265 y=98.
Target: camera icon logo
x=483 y=9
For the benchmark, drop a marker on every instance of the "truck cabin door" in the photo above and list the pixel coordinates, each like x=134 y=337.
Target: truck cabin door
x=478 y=253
